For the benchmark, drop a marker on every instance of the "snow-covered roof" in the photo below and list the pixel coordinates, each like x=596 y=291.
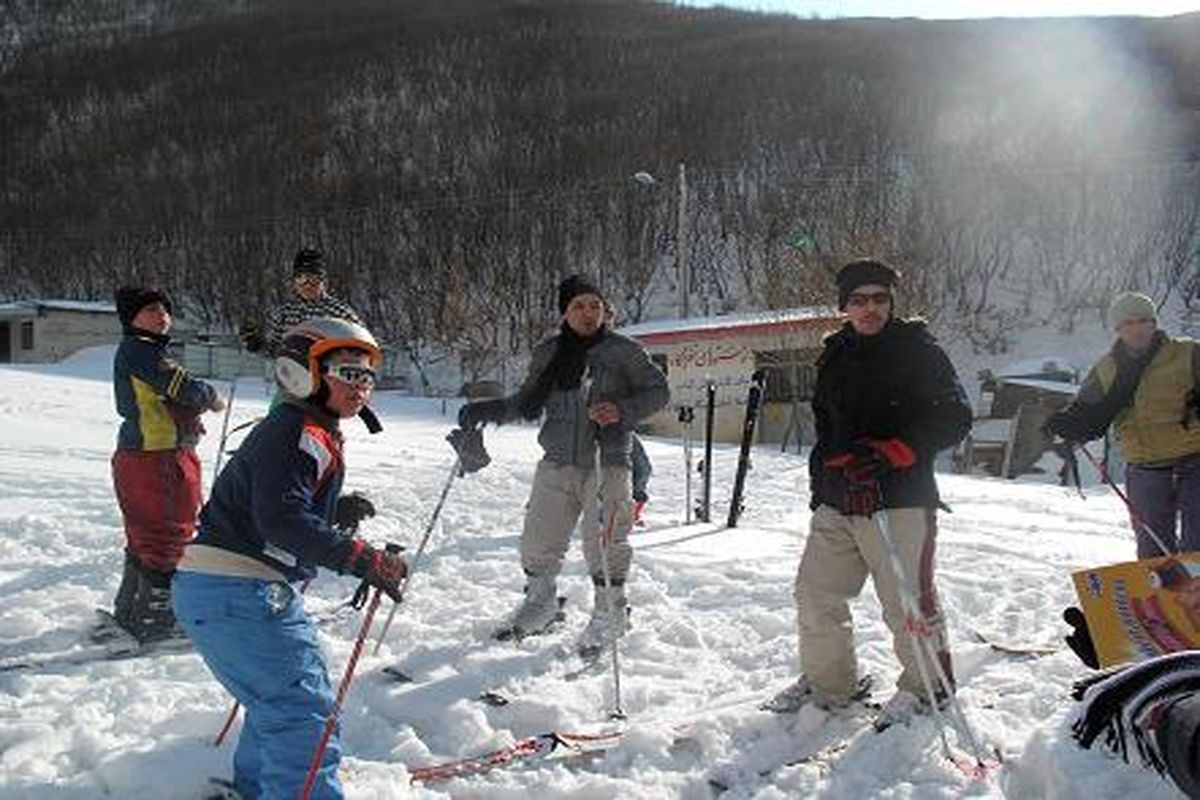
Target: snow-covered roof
x=745 y=324
x=25 y=307
x=1058 y=387
x=1038 y=366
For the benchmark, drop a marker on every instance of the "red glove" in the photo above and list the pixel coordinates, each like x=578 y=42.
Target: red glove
x=869 y=460
x=380 y=568
x=863 y=465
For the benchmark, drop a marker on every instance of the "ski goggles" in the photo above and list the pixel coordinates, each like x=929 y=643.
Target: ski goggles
x=361 y=377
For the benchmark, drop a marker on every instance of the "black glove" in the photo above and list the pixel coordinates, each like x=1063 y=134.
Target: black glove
x=468 y=443
x=352 y=509
x=475 y=414
x=383 y=569
x=251 y=336
x=1072 y=427
x=1080 y=638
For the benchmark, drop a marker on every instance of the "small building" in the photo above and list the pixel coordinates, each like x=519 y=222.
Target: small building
x=726 y=351
x=40 y=331
x=1006 y=438
x=220 y=356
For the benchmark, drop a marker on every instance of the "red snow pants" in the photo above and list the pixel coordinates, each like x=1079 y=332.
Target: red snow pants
x=159 y=495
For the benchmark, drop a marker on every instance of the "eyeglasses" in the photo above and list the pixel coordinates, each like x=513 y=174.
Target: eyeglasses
x=361 y=377
x=309 y=279
x=860 y=299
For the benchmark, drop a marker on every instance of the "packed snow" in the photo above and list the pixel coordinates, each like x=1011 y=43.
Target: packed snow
x=714 y=629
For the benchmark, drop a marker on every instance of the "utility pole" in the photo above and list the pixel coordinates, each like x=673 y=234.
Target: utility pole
x=681 y=238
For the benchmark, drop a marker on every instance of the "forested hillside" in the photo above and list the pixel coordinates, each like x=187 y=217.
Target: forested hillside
x=456 y=157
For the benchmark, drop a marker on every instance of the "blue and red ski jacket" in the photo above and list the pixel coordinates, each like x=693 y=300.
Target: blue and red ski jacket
x=159 y=402
x=275 y=500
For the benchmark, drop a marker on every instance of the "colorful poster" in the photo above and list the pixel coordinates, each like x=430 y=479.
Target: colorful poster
x=1141 y=609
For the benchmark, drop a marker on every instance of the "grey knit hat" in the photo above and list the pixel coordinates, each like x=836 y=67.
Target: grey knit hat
x=1130 y=306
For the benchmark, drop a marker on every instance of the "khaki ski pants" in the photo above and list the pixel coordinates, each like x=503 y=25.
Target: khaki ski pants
x=840 y=553
x=561 y=493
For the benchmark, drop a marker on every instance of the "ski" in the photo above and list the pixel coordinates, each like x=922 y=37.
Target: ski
x=540 y=748
x=704 y=507
x=593 y=664
x=753 y=404
x=105 y=641
x=1016 y=648
x=221 y=789
x=574 y=667
x=800 y=729
x=99 y=652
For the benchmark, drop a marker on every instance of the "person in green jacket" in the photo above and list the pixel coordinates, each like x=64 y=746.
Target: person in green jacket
x=1148 y=388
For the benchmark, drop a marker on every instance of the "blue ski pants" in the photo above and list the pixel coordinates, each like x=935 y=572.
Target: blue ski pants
x=260 y=644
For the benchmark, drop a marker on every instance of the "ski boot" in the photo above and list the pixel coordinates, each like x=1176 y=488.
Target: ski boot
x=151 y=619
x=538 y=612
x=604 y=627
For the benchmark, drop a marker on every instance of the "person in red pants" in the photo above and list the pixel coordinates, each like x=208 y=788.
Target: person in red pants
x=156 y=473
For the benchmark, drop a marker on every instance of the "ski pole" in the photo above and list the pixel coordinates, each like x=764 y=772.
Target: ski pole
x=1137 y=518
x=331 y=722
x=686 y=417
x=225 y=423
x=437 y=512
x=918 y=633
x=605 y=532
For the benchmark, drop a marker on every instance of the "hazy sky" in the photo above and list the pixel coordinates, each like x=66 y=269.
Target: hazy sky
x=952 y=9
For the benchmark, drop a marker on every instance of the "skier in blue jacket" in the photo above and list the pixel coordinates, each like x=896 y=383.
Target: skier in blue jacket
x=155 y=469
x=269 y=523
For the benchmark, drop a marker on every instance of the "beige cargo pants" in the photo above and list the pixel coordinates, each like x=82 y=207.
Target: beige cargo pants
x=561 y=493
x=840 y=553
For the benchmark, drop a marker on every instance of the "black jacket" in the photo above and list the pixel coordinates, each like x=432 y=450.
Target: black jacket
x=895 y=384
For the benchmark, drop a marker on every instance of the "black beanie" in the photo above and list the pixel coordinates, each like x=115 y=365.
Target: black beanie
x=132 y=299
x=573 y=286
x=308 y=262
x=863 y=272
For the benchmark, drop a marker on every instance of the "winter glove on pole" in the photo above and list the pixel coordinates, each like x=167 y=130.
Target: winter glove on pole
x=383 y=569
x=473 y=415
x=863 y=464
x=352 y=509
x=868 y=460
x=468 y=443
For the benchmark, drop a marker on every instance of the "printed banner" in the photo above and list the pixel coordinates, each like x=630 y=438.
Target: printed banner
x=1141 y=609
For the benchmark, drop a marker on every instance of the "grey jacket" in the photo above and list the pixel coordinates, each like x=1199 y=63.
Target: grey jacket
x=618 y=371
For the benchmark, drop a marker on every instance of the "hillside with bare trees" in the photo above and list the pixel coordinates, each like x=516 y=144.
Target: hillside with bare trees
x=456 y=157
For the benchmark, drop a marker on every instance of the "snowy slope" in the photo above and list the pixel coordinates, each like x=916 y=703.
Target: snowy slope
x=714 y=629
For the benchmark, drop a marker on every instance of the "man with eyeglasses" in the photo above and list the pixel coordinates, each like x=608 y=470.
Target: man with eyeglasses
x=886 y=401
x=311 y=299
x=1148 y=387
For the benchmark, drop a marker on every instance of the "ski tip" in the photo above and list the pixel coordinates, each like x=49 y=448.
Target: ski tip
x=397 y=675
x=494 y=699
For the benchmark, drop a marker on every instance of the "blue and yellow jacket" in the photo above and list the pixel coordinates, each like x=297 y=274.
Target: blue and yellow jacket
x=276 y=498
x=160 y=403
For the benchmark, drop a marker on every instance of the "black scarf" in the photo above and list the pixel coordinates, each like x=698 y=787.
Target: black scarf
x=1090 y=420
x=564 y=372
